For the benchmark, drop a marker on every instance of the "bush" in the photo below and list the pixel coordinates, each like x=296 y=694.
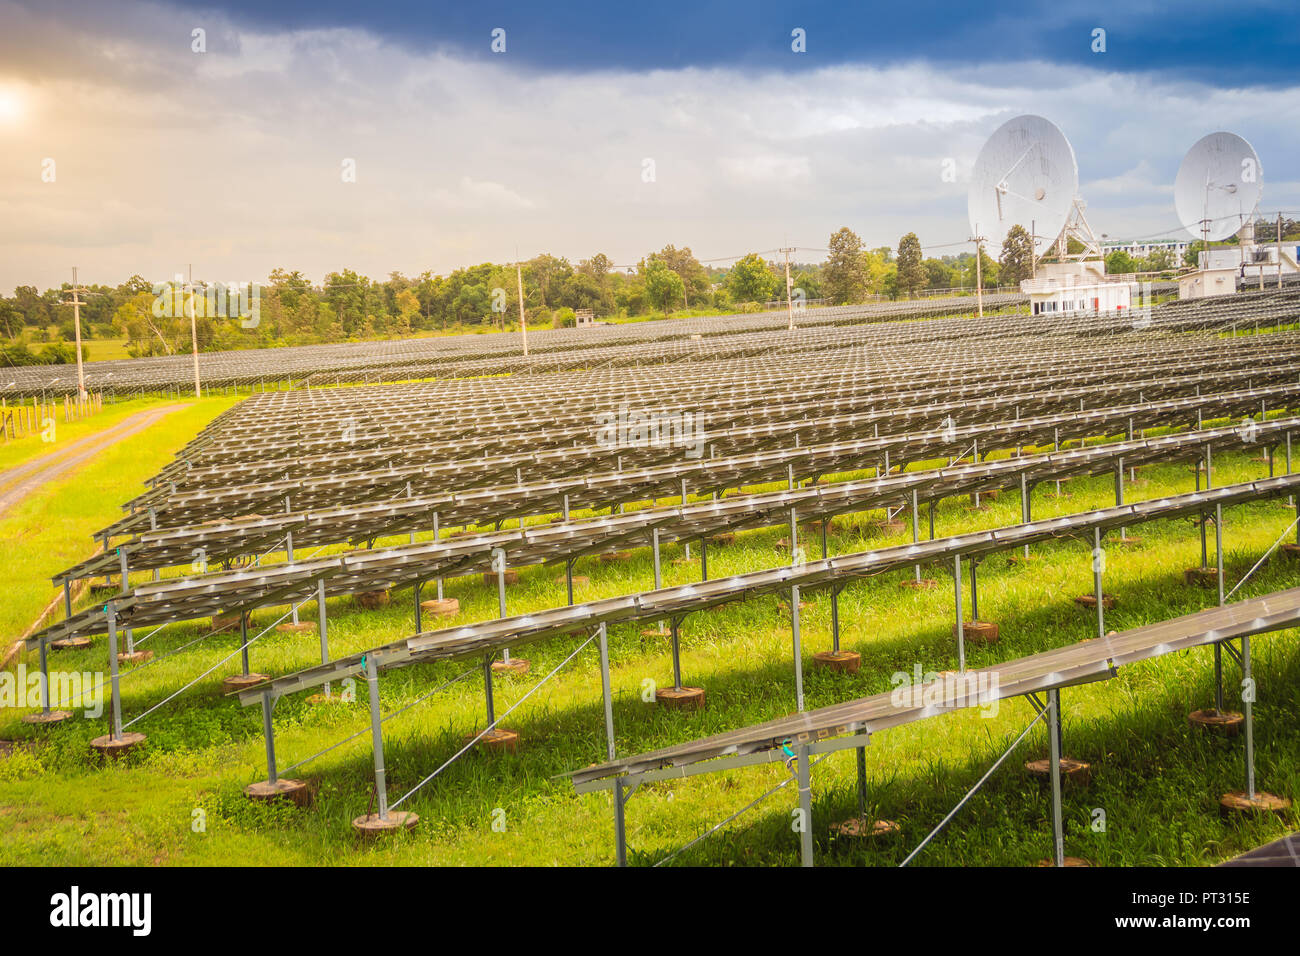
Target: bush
x=563 y=318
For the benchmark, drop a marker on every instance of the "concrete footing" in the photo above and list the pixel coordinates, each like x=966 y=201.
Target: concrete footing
x=1066 y=861
x=135 y=657
x=295 y=791
x=785 y=606
x=1289 y=550
x=1226 y=722
x=1072 y=771
x=579 y=580
x=857 y=828
x=1128 y=542
x=238 y=682
x=229 y=622
x=681 y=698
x=1201 y=577
x=373 y=600
x=42 y=718
x=615 y=557
x=516 y=665
x=70 y=643
x=722 y=539
x=371 y=826
x=490 y=577
x=1236 y=802
x=846 y=662
x=978 y=632
x=1090 y=601
x=442 y=607
x=498 y=740
x=302 y=627
x=925 y=584
x=109 y=747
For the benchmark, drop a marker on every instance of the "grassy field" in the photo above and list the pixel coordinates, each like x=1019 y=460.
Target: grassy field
x=50 y=530
x=1157 y=781
x=15 y=451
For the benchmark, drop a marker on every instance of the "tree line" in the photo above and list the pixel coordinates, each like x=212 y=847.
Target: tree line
x=346 y=306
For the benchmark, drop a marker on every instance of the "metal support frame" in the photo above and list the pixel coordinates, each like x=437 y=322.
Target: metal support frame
x=916 y=531
x=322 y=626
x=377 y=738
x=243 y=639
x=798 y=653
x=268 y=731
x=1098 y=559
x=961 y=629
x=805 y=805
x=499 y=559
x=677 y=655
x=112 y=670
x=704 y=558
x=130 y=638
x=1024 y=505
x=620 y=822
x=1053 y=731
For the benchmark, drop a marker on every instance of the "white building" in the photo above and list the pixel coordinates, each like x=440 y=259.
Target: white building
x=1080 y=286
x=1206 y=283
x=1141 y=248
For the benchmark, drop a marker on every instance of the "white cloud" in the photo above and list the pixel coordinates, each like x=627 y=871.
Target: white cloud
x=231 y=159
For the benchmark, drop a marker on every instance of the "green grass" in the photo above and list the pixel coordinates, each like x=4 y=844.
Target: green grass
x=15 y=451
x=1156 y=780
x=50 y=530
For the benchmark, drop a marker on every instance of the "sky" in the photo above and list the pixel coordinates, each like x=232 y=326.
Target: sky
x=393 y=137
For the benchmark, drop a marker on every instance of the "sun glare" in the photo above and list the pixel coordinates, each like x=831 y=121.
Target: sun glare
x=11 y=105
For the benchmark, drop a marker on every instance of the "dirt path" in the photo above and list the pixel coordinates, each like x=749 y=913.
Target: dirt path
x=20 y=481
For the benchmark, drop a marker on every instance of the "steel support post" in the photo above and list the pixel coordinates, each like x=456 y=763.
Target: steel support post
x=1218 y=549
x=419 y=619
x=620 y=829
x=377 y=738
x=916 y=531
x=437 y=536
x=45 y=677
x=269 y=733
x=687 y=544
x=961 y=628
x=1054 y=718
x=1024 y=505
x=704 y=558
x=1098 y=559
x=130 y=638
x=243 y=640
x=489 y=701
x=805 y=806
x=677 y=656
x=1247 y=706
x=798 y=653
x=112 y=671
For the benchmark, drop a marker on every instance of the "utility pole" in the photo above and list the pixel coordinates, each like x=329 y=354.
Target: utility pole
x=979 y=269
x=194 y=334
x=1279 y=253
x=523 y=323
x=76 y=323
x=789 y=303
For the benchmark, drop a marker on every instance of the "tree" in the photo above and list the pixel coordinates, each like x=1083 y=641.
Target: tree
x=1120 y=262
x=750 y=280
x=911 y=274
x=663 y=287
x=1016 y=262
x=695 y=280
x=1192 y=256
x=939 y=275
x=844 y=278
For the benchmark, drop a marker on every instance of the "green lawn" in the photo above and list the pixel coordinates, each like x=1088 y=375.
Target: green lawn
x=1157 y=781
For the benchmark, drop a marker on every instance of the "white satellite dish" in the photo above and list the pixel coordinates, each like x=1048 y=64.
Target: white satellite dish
x=1218 y=186
x=1025 y=175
